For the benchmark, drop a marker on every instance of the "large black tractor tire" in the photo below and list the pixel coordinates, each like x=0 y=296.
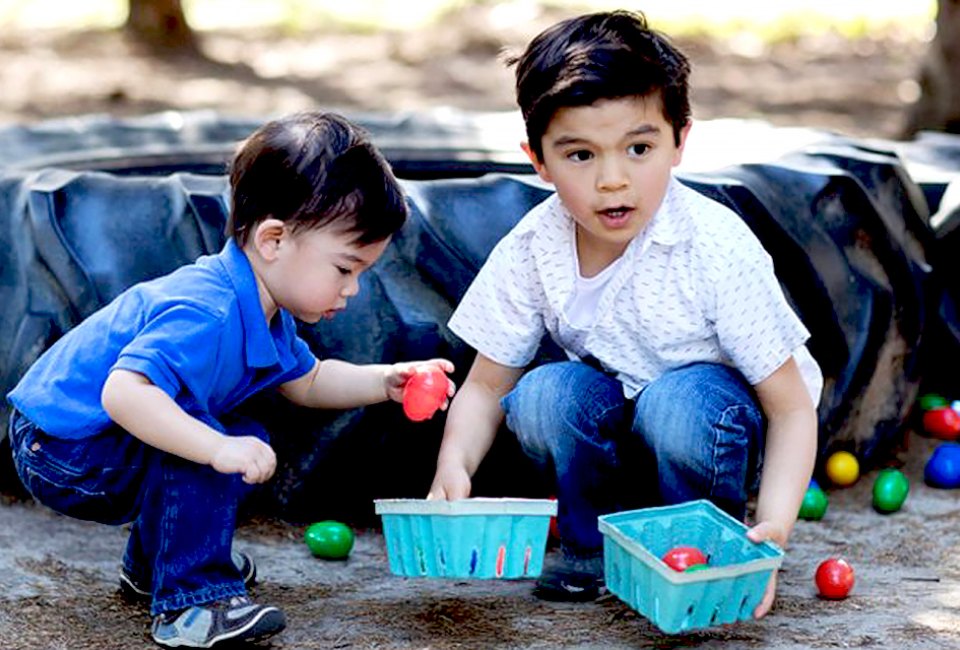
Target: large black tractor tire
x=847 y=227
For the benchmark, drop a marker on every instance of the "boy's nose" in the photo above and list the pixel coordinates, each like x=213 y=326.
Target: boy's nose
x=350 y=289
x=612 y=176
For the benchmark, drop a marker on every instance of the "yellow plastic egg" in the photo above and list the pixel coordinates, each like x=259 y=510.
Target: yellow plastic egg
x=842 y=468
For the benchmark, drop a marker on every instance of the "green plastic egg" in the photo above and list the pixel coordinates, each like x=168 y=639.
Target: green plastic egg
x=814 y=504
x=696 y=567
x=890 y=490
x=329 y=540
x=932 y=401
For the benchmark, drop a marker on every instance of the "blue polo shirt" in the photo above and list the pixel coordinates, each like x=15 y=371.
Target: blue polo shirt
x=198 y=333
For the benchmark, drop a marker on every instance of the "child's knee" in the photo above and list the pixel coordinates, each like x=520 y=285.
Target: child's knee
x=563 y=404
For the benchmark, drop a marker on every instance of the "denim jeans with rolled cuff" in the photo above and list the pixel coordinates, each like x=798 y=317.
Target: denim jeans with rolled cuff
x=696 y=432
x=183 y=514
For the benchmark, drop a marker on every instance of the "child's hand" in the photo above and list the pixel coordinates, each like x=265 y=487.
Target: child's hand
x=776 y=533
x=247 y=455
x=396 y=376
x=450 y=483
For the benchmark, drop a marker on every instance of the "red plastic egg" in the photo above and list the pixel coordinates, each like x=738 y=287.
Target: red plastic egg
x=554 y=528
x=834 y=578
x=424 y=394
x=943 y=423
x=680 y=558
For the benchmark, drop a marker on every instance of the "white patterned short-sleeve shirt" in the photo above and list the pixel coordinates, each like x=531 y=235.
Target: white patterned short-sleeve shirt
x=695 y=285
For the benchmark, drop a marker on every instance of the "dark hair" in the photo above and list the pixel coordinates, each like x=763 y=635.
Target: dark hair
x=606 y=55
x=312 y=170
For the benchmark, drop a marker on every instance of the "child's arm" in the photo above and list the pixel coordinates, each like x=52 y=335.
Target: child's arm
x=788 y=459
x=334 y=384
x=475 y=415
x=148 y=413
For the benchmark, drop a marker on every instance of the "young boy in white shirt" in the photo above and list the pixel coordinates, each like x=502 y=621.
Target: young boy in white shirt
x=687 y=367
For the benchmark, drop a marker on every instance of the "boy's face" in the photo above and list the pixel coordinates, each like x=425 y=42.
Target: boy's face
x=611 y=163
x=313 y=272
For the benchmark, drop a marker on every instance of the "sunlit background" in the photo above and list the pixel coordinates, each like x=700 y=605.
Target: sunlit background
x=851 y=16
x=848 y=65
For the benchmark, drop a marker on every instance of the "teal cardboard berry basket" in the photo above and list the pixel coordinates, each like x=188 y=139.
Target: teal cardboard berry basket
x=728 y=590
x=467 y=538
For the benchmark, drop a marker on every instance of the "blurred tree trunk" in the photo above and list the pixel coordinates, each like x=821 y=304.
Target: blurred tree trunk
x=161 y=25
x=938 y=108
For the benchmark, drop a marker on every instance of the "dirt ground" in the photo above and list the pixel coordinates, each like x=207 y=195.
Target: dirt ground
x=58 y=587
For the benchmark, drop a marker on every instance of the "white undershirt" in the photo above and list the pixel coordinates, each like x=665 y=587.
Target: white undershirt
x=581 y=308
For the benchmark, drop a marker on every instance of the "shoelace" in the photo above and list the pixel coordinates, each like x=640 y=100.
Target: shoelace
x=236 y=601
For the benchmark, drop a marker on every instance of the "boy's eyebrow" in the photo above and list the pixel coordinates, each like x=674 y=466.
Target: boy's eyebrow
x=352 y=258
x=643 y=129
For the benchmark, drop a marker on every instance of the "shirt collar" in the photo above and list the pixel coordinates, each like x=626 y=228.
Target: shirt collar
x=671 y=223
x=260 y=348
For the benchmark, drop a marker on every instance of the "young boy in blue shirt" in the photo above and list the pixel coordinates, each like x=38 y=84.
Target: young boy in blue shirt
x=686 y=364
x=129 y=416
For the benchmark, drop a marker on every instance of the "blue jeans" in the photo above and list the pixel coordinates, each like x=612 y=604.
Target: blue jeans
x=183 y=513
x=696 y=432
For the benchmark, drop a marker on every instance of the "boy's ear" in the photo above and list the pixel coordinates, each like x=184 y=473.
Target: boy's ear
x=267 y=237
x=538 y=166
x=684 y=132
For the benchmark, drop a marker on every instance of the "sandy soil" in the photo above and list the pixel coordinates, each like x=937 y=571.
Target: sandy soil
x=58 y=585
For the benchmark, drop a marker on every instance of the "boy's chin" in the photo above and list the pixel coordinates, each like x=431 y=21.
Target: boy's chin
x=327 y=315
x=311 y=319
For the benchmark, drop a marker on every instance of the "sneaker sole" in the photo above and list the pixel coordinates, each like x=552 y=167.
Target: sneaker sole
x=130 y=591
x=266 y=623
x=567 y=594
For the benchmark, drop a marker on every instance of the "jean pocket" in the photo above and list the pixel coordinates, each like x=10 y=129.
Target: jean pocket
x=58 y=482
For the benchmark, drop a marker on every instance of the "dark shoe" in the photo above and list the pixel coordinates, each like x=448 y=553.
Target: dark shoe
x=565 y=584
x=204 y=626
x=134 y=590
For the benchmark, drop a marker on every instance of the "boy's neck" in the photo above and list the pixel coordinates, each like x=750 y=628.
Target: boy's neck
x=593 y=259
x=267 y=304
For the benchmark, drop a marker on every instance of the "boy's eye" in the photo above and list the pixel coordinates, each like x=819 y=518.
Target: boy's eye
x=638 y=149
x=581 y=155
x=344 y=270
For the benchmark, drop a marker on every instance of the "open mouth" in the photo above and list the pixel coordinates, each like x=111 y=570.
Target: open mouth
x=615 y=216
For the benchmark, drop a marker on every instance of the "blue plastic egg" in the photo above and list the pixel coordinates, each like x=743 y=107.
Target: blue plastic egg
x=943 y=467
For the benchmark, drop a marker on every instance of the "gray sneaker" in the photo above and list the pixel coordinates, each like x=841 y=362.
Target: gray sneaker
x=133 y=590
x=204 y=626
x=571 y=579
